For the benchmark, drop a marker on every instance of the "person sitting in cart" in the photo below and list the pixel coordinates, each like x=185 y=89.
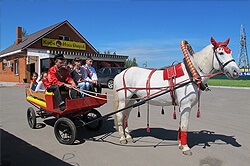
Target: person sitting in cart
x=42 y=83
x=33 y=82
x=92 y=76
x=70 y=67
x=60 y=80
x=79 y=75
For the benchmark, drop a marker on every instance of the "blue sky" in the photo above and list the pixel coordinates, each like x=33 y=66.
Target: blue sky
x=150 y=31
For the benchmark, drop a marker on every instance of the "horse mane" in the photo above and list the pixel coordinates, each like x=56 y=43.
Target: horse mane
x=203 y=59
x=204 y=50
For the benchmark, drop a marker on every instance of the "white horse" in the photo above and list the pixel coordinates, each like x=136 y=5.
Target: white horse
x=143 y=83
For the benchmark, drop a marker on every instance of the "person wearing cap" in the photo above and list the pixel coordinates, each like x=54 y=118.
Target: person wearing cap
x=60 y=80
x=79 y=75
x=91 y=75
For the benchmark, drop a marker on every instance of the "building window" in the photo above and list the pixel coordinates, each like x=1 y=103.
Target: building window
x=45 y=65
x=16 y=67
x=61 y=37
x=3 y=66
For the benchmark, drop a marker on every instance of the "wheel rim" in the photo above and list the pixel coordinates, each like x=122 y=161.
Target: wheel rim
x=64 y=132
x=93 y=114
x=110 y=84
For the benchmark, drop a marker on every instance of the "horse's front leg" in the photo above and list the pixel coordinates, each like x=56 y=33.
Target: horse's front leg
x=183 y=131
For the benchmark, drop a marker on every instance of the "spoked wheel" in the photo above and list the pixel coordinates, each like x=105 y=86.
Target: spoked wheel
x=65 y=131
x=93 y=114
x=31 y=117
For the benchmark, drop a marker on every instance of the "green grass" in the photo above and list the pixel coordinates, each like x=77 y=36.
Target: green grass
x=227 y=82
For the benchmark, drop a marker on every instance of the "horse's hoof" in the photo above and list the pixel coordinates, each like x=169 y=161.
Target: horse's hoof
x=124 y=141
x=187 y=152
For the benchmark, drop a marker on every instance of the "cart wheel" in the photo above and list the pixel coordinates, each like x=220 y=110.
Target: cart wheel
x=31 y=117
x=65 y=131
x=93 y=114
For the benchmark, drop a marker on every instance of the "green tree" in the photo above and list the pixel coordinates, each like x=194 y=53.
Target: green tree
x=130 y=62
x=24 y=32
x=106 y=52
x=109 y=53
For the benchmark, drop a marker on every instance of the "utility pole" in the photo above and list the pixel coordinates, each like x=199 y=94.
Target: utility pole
x=243 y=57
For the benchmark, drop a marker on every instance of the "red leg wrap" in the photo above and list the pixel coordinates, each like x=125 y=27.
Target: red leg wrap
x=183 y=138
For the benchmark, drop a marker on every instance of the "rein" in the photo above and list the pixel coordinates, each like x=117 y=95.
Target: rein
x=161 y=89
x=87 y=94
x=143 y=101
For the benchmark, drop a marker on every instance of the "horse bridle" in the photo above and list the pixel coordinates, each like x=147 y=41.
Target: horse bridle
x=222 y=65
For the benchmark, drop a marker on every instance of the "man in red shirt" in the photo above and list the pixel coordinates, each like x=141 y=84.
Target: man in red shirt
x=60 y=80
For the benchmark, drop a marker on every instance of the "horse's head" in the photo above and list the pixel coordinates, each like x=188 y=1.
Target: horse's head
x=224 y=60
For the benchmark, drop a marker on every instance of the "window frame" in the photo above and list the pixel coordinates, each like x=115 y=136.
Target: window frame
x=62 y=37
x=4 y=66
x=16 y=66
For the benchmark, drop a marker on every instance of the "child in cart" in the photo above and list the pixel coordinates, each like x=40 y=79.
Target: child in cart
x=33 y=82
x=42 y=83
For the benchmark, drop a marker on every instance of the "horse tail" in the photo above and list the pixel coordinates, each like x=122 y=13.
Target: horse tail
x=116 y=105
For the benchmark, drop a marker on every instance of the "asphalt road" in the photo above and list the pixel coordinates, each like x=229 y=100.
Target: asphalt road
x=220 y=137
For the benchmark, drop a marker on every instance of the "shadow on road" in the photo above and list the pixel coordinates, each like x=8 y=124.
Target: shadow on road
x=84 y=134
x=15 y=151
x=203 y=137
x=194 y=137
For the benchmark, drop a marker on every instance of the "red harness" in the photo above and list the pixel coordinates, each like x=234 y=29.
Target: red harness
x=171 y=74
x=173 y=71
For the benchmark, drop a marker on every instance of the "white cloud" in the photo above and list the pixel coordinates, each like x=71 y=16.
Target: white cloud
x=155 y=52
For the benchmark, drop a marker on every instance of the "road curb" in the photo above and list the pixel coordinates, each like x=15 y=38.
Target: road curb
x=14 y=84
x=230 y=87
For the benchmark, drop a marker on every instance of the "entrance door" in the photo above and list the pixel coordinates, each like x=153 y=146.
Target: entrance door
x=30 y=70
